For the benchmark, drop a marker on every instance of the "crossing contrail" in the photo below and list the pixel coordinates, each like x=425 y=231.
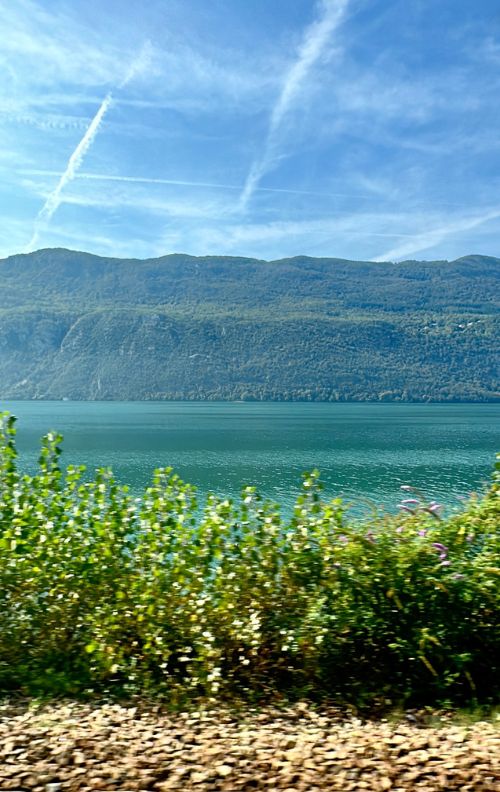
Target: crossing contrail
x=53 y=201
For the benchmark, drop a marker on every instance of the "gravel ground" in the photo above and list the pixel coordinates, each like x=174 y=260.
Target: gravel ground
x=72 y=746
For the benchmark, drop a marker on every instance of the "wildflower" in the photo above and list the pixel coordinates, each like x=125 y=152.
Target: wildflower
x=443 y=550
x=370 y=537
x=406 y=488
x=422 y=532
x=444 y=563
x=408 y=501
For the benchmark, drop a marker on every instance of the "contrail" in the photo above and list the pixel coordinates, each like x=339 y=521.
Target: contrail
x=184 y=183
x=315 y=39
x=75 y=161
x=139 y=64
x=53 y=201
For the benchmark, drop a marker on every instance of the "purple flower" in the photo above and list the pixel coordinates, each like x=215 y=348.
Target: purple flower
x=343 y=539
x=444 y=563
x=422 y=532
x=400 y=529
x=443 y=550
x=433 y=509
x=407 y=501
x=457 y=576
x=370 y=537
x=405 y=508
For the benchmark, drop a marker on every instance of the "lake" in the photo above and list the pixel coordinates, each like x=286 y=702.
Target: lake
x=364 y=451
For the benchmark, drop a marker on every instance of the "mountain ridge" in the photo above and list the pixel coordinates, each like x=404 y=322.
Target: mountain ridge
x=76 y=325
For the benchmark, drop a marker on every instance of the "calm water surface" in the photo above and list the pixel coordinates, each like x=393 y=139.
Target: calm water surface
x=364 y=451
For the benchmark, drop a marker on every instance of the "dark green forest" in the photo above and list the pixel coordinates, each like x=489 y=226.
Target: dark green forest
x=78 y=326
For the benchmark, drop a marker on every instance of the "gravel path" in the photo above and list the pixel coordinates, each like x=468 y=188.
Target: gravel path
x=111 y=747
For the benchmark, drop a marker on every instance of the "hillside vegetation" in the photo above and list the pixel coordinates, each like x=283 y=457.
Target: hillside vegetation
x=179 y=327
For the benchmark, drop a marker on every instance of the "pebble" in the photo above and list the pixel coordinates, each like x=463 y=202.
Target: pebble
x=74 y=747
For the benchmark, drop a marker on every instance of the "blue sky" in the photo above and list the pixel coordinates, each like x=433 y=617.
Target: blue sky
x=365 y=129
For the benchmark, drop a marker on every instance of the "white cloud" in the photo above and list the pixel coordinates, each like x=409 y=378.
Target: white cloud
x=78 y=238
x=331 y=235
x=140 y=64
x=61 y=54
x=352 y=235
x=145 y=202
x=44 y=47
x=430 y=238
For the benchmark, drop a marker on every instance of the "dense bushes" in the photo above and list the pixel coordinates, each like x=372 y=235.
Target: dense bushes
x=99 y=590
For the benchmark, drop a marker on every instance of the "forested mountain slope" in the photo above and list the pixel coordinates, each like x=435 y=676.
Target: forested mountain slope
x=83 y=327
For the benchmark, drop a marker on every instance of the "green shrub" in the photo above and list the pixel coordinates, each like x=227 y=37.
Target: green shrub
x=101 y=591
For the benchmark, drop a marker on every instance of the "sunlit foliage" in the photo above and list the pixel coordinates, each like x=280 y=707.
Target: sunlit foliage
x=102 y=591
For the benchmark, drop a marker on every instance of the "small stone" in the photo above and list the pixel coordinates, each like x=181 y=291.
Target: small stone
x=398 y=739
x=294 y=756
x=199 y=777
x=310 y=764
x=224 y=770
x=457 y=737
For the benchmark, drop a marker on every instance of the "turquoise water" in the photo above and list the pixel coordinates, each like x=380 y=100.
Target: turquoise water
x=364 y=451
